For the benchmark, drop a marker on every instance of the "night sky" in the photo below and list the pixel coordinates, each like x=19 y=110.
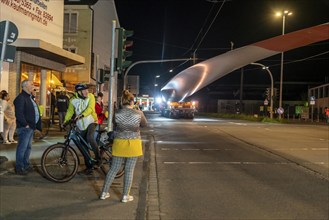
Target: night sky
x=172 y=29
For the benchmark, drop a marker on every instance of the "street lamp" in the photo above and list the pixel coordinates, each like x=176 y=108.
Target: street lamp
x=272 y=85
x=155 y=83
x=282 y=14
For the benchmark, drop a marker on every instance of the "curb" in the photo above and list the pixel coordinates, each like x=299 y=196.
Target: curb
x=153 y=207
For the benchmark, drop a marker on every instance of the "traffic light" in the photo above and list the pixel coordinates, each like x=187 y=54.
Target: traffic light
x=104 y=75
x=123 y=44
x=268 y=93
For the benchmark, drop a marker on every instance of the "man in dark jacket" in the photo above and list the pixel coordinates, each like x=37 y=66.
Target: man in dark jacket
x=27 y=120
x=62 y=104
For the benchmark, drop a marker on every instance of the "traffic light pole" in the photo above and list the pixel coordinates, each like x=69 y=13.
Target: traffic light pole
x=147 y=61
x=111 y=82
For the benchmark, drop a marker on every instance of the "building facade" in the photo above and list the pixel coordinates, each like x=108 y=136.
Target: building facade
x=88 y=33
x=40 y=56
x=58 y=45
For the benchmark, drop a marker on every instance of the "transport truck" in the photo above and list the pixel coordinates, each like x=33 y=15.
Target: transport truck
x=179 y=109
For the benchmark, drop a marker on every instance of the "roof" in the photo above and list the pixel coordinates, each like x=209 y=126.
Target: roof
x=46 y=50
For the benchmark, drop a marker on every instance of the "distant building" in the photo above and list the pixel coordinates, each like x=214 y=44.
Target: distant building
x=321 y=95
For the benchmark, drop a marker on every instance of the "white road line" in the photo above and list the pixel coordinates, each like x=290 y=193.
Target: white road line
x=174 y=162
x=239 y=163
x=179 y=142
x=235 y=123
x=303 y=149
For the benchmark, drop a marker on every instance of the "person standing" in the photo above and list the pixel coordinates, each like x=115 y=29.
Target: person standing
x=82 y=105
x=99 y=107
x=127 y=145
x=27 y=120
x=9 y=119
x=62 y=104
x=326 y=112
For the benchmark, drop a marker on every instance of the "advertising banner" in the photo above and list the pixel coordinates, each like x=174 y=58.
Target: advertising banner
x=36 y=19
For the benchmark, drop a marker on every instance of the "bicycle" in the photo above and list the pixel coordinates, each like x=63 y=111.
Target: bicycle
x=60 y=162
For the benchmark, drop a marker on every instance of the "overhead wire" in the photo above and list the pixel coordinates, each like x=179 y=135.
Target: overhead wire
x=220 y=8
x=201 y=29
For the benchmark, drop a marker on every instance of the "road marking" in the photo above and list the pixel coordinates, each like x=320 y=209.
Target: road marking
x=236 y=123
x=174 y=162
x=303 y=149
x=239 y=163
x=195 y=149
x=179 y=142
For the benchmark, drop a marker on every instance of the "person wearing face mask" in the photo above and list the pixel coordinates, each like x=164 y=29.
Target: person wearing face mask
x=82 y=106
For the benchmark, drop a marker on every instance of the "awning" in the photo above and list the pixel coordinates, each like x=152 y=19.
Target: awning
x=46 y=50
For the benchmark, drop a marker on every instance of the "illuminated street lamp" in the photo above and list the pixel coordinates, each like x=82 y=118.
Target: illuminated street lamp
x=282 y=14
x=272 y=85
x=155 y=83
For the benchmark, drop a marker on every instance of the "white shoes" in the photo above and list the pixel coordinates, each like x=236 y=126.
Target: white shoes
x=124 y=198
x=10 y=142
x=104 y=195
x=127 y=199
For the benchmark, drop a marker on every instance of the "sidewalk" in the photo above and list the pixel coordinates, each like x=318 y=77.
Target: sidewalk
x=34 y=197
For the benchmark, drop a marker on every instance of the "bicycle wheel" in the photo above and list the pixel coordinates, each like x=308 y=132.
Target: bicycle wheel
x=59 y=163
x=106 y=155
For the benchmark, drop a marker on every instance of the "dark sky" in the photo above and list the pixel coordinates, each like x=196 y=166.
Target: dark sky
x=172 y=29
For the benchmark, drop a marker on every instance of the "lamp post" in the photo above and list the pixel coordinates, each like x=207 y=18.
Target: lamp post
x=272 y=85
x=283 y=14
x=155 y=84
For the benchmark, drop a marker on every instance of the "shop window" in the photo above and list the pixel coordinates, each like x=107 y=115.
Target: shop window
x=71 y=22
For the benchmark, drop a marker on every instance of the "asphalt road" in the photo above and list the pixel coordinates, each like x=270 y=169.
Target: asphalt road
x=191 y=169
x=224 y=169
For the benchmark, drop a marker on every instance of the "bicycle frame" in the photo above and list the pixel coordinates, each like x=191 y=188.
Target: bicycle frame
x=75 y=136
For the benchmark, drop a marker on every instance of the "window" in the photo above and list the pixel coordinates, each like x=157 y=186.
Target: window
x=71 y=49
x=71 y=22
